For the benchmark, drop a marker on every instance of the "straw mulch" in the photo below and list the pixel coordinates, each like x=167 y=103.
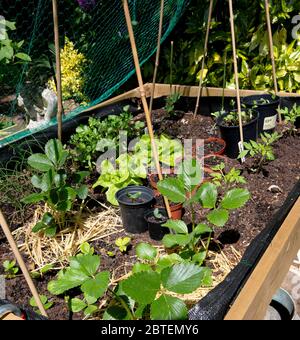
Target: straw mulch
x=56 y=251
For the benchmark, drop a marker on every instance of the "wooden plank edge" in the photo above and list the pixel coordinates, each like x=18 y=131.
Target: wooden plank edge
x=254 y=298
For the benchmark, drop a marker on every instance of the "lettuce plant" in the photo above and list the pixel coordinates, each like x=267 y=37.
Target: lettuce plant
x=184 y=189
x=130 y=171
x=55 y=191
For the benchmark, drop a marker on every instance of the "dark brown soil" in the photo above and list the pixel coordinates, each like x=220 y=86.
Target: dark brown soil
x=243 y=226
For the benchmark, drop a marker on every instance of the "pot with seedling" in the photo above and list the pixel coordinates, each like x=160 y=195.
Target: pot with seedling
x=228 y=123
x=266 y=105
x=155 y=218
x=134 y=201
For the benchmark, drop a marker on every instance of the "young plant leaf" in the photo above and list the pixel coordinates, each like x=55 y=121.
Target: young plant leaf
x=77 y=305
x=93 y=289
x=170 y=240
x=141 y=267
x=218 y=217
x=235 y=198
x=167 y=307
x=208 y=195
x=142 y=287
x=40 y=162
x=173 y=189
x=145 y=251
x=177 y=225
x=182 y=278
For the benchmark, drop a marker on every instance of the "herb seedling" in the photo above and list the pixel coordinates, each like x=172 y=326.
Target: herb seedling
x=171 y=100
x=134 y=196
x=157 y=214
x=46 y=303
x=290 y=117
x=40 y=273
x=10 y=269
x=262 y=152
x=226 y=180
x=123 y=243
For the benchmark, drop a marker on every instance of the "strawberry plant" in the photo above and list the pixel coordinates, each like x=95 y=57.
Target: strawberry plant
x=207 y=195
x=58 y=195
x=123 y=243
x=146 y=293
x=83 y=272
x=45 y=302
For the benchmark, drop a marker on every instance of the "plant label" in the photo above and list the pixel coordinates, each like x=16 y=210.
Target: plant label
x=270 y=122
x=2 y=287
x=241 y=149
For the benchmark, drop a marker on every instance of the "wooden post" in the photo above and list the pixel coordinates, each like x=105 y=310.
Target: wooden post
x=268 y=18
x=58 y=70
x=157 y=54
x=143 y=97
x=21 y=263
x=204 y=56
x=236 y=72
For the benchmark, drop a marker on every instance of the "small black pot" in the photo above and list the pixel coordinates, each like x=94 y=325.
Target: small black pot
x=267 y=112
x=231 y=134
x=132 y=212
x=156 y=231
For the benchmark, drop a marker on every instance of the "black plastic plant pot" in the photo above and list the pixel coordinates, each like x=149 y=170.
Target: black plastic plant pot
x=231 y=134
x=156 y=231
x=267 y=107
x=134 y=201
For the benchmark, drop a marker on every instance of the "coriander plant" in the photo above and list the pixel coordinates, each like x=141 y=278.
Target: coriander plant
x=52 y=181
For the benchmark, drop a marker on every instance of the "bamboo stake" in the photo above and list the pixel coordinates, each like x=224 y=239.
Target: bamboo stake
x=236 y=72
x=21 y=263
x=204 y=55
x=58 y=70
x=161 y=19
x=268 y=17
x=143 y=97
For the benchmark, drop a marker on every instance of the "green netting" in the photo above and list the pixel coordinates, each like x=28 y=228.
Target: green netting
x=97 y=30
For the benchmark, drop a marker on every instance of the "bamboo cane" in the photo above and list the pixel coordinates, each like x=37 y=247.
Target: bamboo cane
x=143 y=97
x=236 y=73
x=204 y=56
x=161 y=19
x=58 y=70
x=21 y=263
x=268 y=18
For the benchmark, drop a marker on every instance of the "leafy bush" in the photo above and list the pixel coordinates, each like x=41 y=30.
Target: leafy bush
x=90 y=140
x=73 y=64
x=11 y=56
x=58 y=195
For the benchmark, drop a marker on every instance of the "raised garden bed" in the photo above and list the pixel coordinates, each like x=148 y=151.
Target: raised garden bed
x=269 y=189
